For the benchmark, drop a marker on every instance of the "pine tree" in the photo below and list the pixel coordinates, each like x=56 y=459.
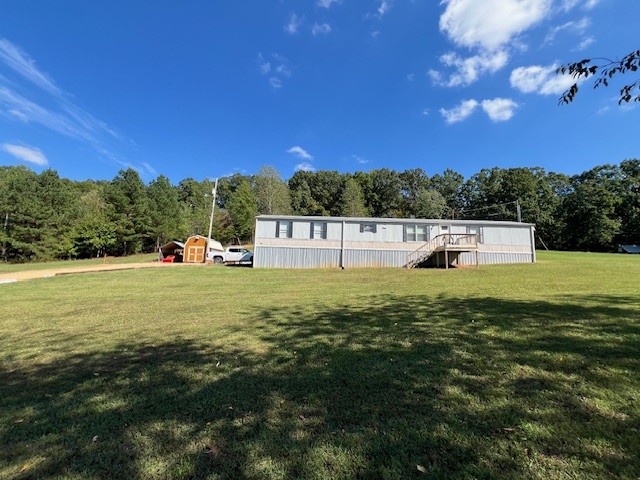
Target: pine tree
x=242 y=207
x=165 y=214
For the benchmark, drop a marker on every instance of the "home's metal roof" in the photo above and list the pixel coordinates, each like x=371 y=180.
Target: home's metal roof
x=441 y=221
x=630 y=248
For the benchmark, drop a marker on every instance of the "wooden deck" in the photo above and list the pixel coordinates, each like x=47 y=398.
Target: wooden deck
x=455 y=243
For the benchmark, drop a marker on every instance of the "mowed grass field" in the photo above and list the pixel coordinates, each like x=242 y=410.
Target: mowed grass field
x=517 y=371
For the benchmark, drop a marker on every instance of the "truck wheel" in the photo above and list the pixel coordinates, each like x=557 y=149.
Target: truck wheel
x=217 y=260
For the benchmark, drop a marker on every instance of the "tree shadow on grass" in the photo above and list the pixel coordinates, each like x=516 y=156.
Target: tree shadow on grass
x=480 y=388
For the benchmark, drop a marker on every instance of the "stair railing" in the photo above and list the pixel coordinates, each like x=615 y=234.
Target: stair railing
x=456 y=240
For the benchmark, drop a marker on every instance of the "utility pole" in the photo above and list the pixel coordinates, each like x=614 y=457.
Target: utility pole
x=518 y=211
x=4 y=244
x=213 y=206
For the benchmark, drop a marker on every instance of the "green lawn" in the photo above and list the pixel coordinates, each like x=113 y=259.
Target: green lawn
x=520 y=371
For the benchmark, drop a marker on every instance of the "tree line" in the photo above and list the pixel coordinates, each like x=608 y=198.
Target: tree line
x=46 y=217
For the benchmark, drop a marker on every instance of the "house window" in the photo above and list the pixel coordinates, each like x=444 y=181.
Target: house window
x=368 y=227
x=284 y=229
x=319 y=230
x=416 y=233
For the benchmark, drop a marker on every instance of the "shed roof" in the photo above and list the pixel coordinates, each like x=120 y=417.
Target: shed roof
x=172 y=244
x=395 y=220
x=630 y=248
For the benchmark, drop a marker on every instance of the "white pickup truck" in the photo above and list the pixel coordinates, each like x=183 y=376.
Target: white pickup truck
x=230 y=255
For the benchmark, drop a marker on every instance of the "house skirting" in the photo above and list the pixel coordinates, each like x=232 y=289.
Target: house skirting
x=307 y=257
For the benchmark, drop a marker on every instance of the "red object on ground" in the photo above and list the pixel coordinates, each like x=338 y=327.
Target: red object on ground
x=169 y=259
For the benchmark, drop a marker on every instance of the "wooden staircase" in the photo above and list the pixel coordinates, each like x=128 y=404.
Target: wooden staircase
x=454 y=243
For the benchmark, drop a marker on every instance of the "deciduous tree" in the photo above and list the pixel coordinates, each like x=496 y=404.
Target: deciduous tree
x=271 y=193
x=352 y=201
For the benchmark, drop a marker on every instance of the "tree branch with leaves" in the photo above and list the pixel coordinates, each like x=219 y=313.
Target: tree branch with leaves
x=604 y=72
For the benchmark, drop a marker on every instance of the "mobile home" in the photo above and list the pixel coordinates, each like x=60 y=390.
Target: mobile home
x=347 y=242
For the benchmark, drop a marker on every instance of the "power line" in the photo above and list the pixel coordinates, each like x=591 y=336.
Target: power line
x=515 y=202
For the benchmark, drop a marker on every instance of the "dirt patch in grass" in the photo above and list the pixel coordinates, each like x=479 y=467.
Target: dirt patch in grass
x=52 y=272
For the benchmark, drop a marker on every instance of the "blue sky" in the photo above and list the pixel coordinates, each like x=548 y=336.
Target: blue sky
x=205 y=89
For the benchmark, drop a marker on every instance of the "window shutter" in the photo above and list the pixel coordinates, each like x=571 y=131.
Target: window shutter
x=324 y=230
x=311 y=230
x=290 y=230
x=278 y=229
x=361 y=227
x=375 y=228
x=404 y=233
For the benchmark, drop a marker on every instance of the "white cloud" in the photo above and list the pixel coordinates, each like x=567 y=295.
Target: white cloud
x=19 y=115
x=326 y=3
x=294 y=24
x=322 y=28
x=627 y=107
x=150 y=169
x=26 y=153
x=359 y=159
x=28 y=111
x=468 y=70
x=300 y=152
x=275 y=82
x=541 y=80
x=383 y=8
x=305 y=167
x=585 y=43
x=283 y=70
x=20 y=62
x=71 y=120
x=60 y=114
x=276 y=67
x=499 y=109
x=459 y=113
x=567 y=5
x=490 y=24
x=576 y=27
x=411 y=77
x=265 y=68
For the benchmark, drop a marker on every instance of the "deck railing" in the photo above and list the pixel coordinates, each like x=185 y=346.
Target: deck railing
x=446 y=241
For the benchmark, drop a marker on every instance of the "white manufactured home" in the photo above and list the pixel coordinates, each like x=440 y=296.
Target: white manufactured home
x=347 y=242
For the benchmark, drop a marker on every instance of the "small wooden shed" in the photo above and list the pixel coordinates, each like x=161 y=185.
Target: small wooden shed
x=195 y=249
